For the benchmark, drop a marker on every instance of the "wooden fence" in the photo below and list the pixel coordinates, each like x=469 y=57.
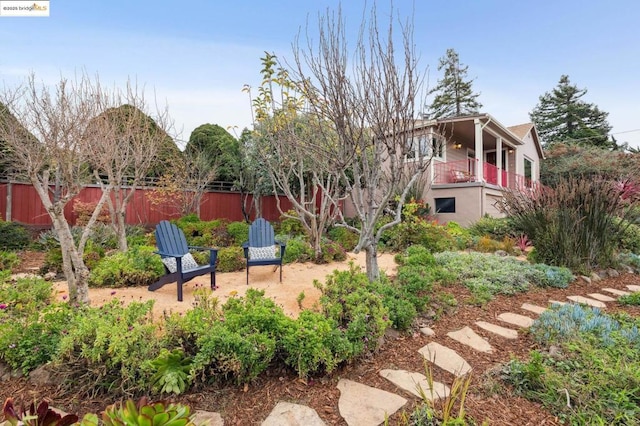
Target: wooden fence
x=24 y=206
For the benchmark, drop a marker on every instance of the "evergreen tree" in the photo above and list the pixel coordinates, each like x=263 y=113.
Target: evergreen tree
x=561 y=116
x=454 y=95
x=222 y=149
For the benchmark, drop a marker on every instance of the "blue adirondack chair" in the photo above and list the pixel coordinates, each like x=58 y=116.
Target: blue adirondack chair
x=179 y=263
x=261 y=247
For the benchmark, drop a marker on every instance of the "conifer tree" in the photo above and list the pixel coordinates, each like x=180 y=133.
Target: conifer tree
x=562 y=116
x=454 y=94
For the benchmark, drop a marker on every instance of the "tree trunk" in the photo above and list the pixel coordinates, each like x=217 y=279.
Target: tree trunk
x=121 y=228
x=316 y=240
x=75 y=271
x=373 y=272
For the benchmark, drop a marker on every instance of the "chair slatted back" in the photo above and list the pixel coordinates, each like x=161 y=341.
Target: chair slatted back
x=261 y=234
x=170 y=238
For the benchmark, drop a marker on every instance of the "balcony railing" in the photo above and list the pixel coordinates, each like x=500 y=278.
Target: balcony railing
x=464 y=171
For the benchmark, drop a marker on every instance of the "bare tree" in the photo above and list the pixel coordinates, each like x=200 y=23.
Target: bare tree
x=187 y=182
x=371 y=98
x=51 y=147
x=287 y=136
x=131 y=152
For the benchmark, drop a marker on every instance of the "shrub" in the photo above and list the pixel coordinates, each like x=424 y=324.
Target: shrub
x=84 y=211
x=239 y=232
x=139 y=266
x=92 y=254
x=331 y=251
x=574 y=224
x=487 y=245
x=494 y=228
x=358 y=313
x=630 y=299
x=52 y=261
x=418 y=231
x=104 y=348
x=343 y=236
x=630 y=236
x=8 y=260
x=230 y=259
x=28 y=342
x=298 y=250
x=24 y=297
x=307 y=344
x=291 y=225
x=205 y=234
x=14 y=236
x=486 y=274
x=462 y=236
x=401 y=311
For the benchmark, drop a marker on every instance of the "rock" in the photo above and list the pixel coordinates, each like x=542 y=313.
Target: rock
x=288 y=414
x=41 y=376
x=363 y=405
x=445 y=358
x=515 y=319
x=207 y=418
x=603 y=274
x=628 y=269
x=507 y=333
x=533 y=308
x=501 y=253
x=587 y=301
x=555 y=351
x=391 y=334
x=50 y=276
x=427 y=331
x=468 y=337
x=586 y=279
x=5 y=372
x=24 y=275
x=613 y=273
x=601 y=297
x=413 y=382
x=595 y=277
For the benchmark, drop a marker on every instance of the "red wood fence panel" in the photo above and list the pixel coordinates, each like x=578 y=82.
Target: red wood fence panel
x=27 y=208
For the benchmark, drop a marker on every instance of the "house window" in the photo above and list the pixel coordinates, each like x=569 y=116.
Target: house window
x=528 y=172
x=445 y=205
x=423 y=146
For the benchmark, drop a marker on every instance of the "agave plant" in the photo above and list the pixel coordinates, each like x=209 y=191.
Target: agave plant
x=145 y=413
x=40 y=416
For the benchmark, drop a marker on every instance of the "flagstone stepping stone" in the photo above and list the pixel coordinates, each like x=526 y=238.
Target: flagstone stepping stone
x=468 y=337
x=207 y=418
x=601 y=297
x=289 y=414
x=616 y=292
x=413 y=382
x=515 y=319
x=362 y=405
x=587 y=301
x=557 y=302
x=445 y=358
x=507 y=333
x=633 y=287
x=533 y=308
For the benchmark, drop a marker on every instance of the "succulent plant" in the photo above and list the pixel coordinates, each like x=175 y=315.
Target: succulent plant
x=40 y=416
x=145 y=413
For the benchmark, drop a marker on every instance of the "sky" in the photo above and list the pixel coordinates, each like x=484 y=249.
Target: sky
x=195 y=55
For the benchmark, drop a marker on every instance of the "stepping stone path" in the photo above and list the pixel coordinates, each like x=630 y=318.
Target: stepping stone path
x=601 y=297
x=468 y=337
x=616 y=292
x=288 y=414
x=507 y=333
x=361 y=405
x=413 y=382
x=533 y=308
x=445 y=358
x=587 y=301
x=515 y=319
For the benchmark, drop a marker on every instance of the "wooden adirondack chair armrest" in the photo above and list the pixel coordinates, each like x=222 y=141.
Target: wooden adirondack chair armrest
x=283 y=247
x=203 y=248
x=162 y=253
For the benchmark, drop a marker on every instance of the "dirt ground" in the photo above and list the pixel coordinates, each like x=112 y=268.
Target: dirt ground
x=488 y=399
x=296 y=278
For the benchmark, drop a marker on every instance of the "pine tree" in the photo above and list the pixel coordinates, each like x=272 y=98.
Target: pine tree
x=561 y=116
x=454 y=95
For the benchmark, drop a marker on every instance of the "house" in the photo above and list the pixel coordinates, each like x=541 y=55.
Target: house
x=475 y=159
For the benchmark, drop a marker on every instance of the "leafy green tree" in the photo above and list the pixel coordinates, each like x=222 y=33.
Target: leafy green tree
x=454 y=95
x=219 y=146
x=562 y=116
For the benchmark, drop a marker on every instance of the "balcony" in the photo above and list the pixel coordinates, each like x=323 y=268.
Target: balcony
x=464 y=172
